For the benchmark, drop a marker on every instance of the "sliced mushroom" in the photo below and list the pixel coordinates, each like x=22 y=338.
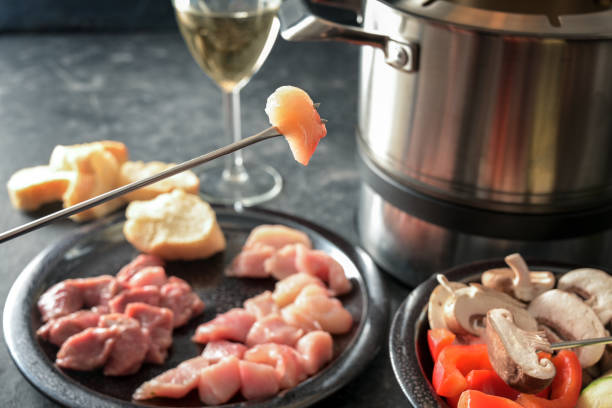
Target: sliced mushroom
x=513 y=353
x=517 y=280
x=594 y=286
x=435 y=308
x=569 y=317
x=502 y=295
x=465 y=311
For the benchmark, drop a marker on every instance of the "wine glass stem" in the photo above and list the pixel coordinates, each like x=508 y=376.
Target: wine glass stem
x=234 y=168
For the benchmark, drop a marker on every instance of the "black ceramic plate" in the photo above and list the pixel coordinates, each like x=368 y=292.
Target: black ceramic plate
x=101 y=249
x=410 y=358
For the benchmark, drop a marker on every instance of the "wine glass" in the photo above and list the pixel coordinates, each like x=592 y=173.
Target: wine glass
x=230 y=40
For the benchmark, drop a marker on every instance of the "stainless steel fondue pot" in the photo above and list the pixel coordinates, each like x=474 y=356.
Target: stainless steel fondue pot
x=485 y=127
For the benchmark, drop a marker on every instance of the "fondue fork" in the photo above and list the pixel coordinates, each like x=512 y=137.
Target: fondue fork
x=268 y=133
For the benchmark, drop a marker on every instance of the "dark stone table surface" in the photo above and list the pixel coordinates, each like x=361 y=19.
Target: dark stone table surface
x=145 y=90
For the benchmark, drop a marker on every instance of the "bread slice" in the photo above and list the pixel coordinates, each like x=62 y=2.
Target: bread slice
x=96 y=171
x=174 y=225
x=32 y=187
x=132 y=171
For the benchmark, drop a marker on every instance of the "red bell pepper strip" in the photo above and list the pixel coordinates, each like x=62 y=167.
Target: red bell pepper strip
x=477 y=399
x=565 y=388
x=454 y=363
x=438 y=339
x=489 y=382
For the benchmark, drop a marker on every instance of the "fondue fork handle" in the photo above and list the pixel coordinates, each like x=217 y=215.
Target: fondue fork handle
x=92 y=202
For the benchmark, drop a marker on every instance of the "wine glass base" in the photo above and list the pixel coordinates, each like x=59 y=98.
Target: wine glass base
x=259 y=184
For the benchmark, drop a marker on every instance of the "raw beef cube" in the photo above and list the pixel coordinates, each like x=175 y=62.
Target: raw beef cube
x=157 y=323
x=141 y=261
x=261 y=305
x=257 y=380
x=285 y=360
x=215 y=351
x=282 y=263
x=177 y=296
x=58 y=330
x=86 y=350
x=323 y=266
x=328 y=312
x=147 y=294
x=273 y=329
x=219 y=382
x=249 y=263
x=131 y=345
x=174 y=383
x=276 y=236
x=286 y=290
x=231 y=325
x=59 y=300
x=98 y=290
x=316 y=349
x=149 y=275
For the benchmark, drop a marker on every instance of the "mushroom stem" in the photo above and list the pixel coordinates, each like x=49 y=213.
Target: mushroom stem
x=445 y=283
x=522 y=279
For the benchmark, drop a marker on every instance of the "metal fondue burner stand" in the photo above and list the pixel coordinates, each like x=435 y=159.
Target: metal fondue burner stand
x=485 y=128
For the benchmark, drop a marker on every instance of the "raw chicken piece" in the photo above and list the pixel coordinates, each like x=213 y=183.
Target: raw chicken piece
x=276 y=236
x=131 y=345
x=215 y=351
x=59 y=300
x=219 y=382
x=294 y=316
x=261 y=305
x=323 y=266
x=328 y=312
x=141 y=261
x=231 y=325
x=249 y=263
x=316 y=349
x=149 y=275
x=57 y=330
x=174 y=383
x=273 y=329
x=146 y=294
x=293 y=113
x=97 y=291
x=285 y=360
x=177 y=296
x=286 y=290
x=86 y=350
x=257 y=380
x=157 y=324
x=282 y=263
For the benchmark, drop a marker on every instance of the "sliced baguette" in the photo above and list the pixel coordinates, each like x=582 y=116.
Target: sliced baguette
x=174 y=225
x=96 y=171
x=132 y=171
x=32 y=187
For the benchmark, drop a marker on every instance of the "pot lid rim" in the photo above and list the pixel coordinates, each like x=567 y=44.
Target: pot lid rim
x=595 y=26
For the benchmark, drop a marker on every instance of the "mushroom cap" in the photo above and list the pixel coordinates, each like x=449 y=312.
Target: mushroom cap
x=435 y=308
x=594 y=286
x=568 y=316
x=465 y=311
x=526 y=284
x=513 y=353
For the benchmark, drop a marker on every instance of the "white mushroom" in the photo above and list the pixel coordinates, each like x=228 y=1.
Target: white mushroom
x=570 y=318
x=513 y=353
x=594 y=286
x=518 y=280
x=464 y=312
x=435 y=308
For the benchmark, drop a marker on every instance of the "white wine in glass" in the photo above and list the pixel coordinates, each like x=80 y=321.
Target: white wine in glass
x=230 y=40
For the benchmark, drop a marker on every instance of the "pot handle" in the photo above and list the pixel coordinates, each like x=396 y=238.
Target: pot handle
x=299 y=24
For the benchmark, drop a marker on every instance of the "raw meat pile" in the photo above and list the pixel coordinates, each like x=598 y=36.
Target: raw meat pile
x=117 y=322
x=278 y=338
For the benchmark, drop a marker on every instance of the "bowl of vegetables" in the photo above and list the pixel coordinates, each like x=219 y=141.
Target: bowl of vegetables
x=448 y=348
